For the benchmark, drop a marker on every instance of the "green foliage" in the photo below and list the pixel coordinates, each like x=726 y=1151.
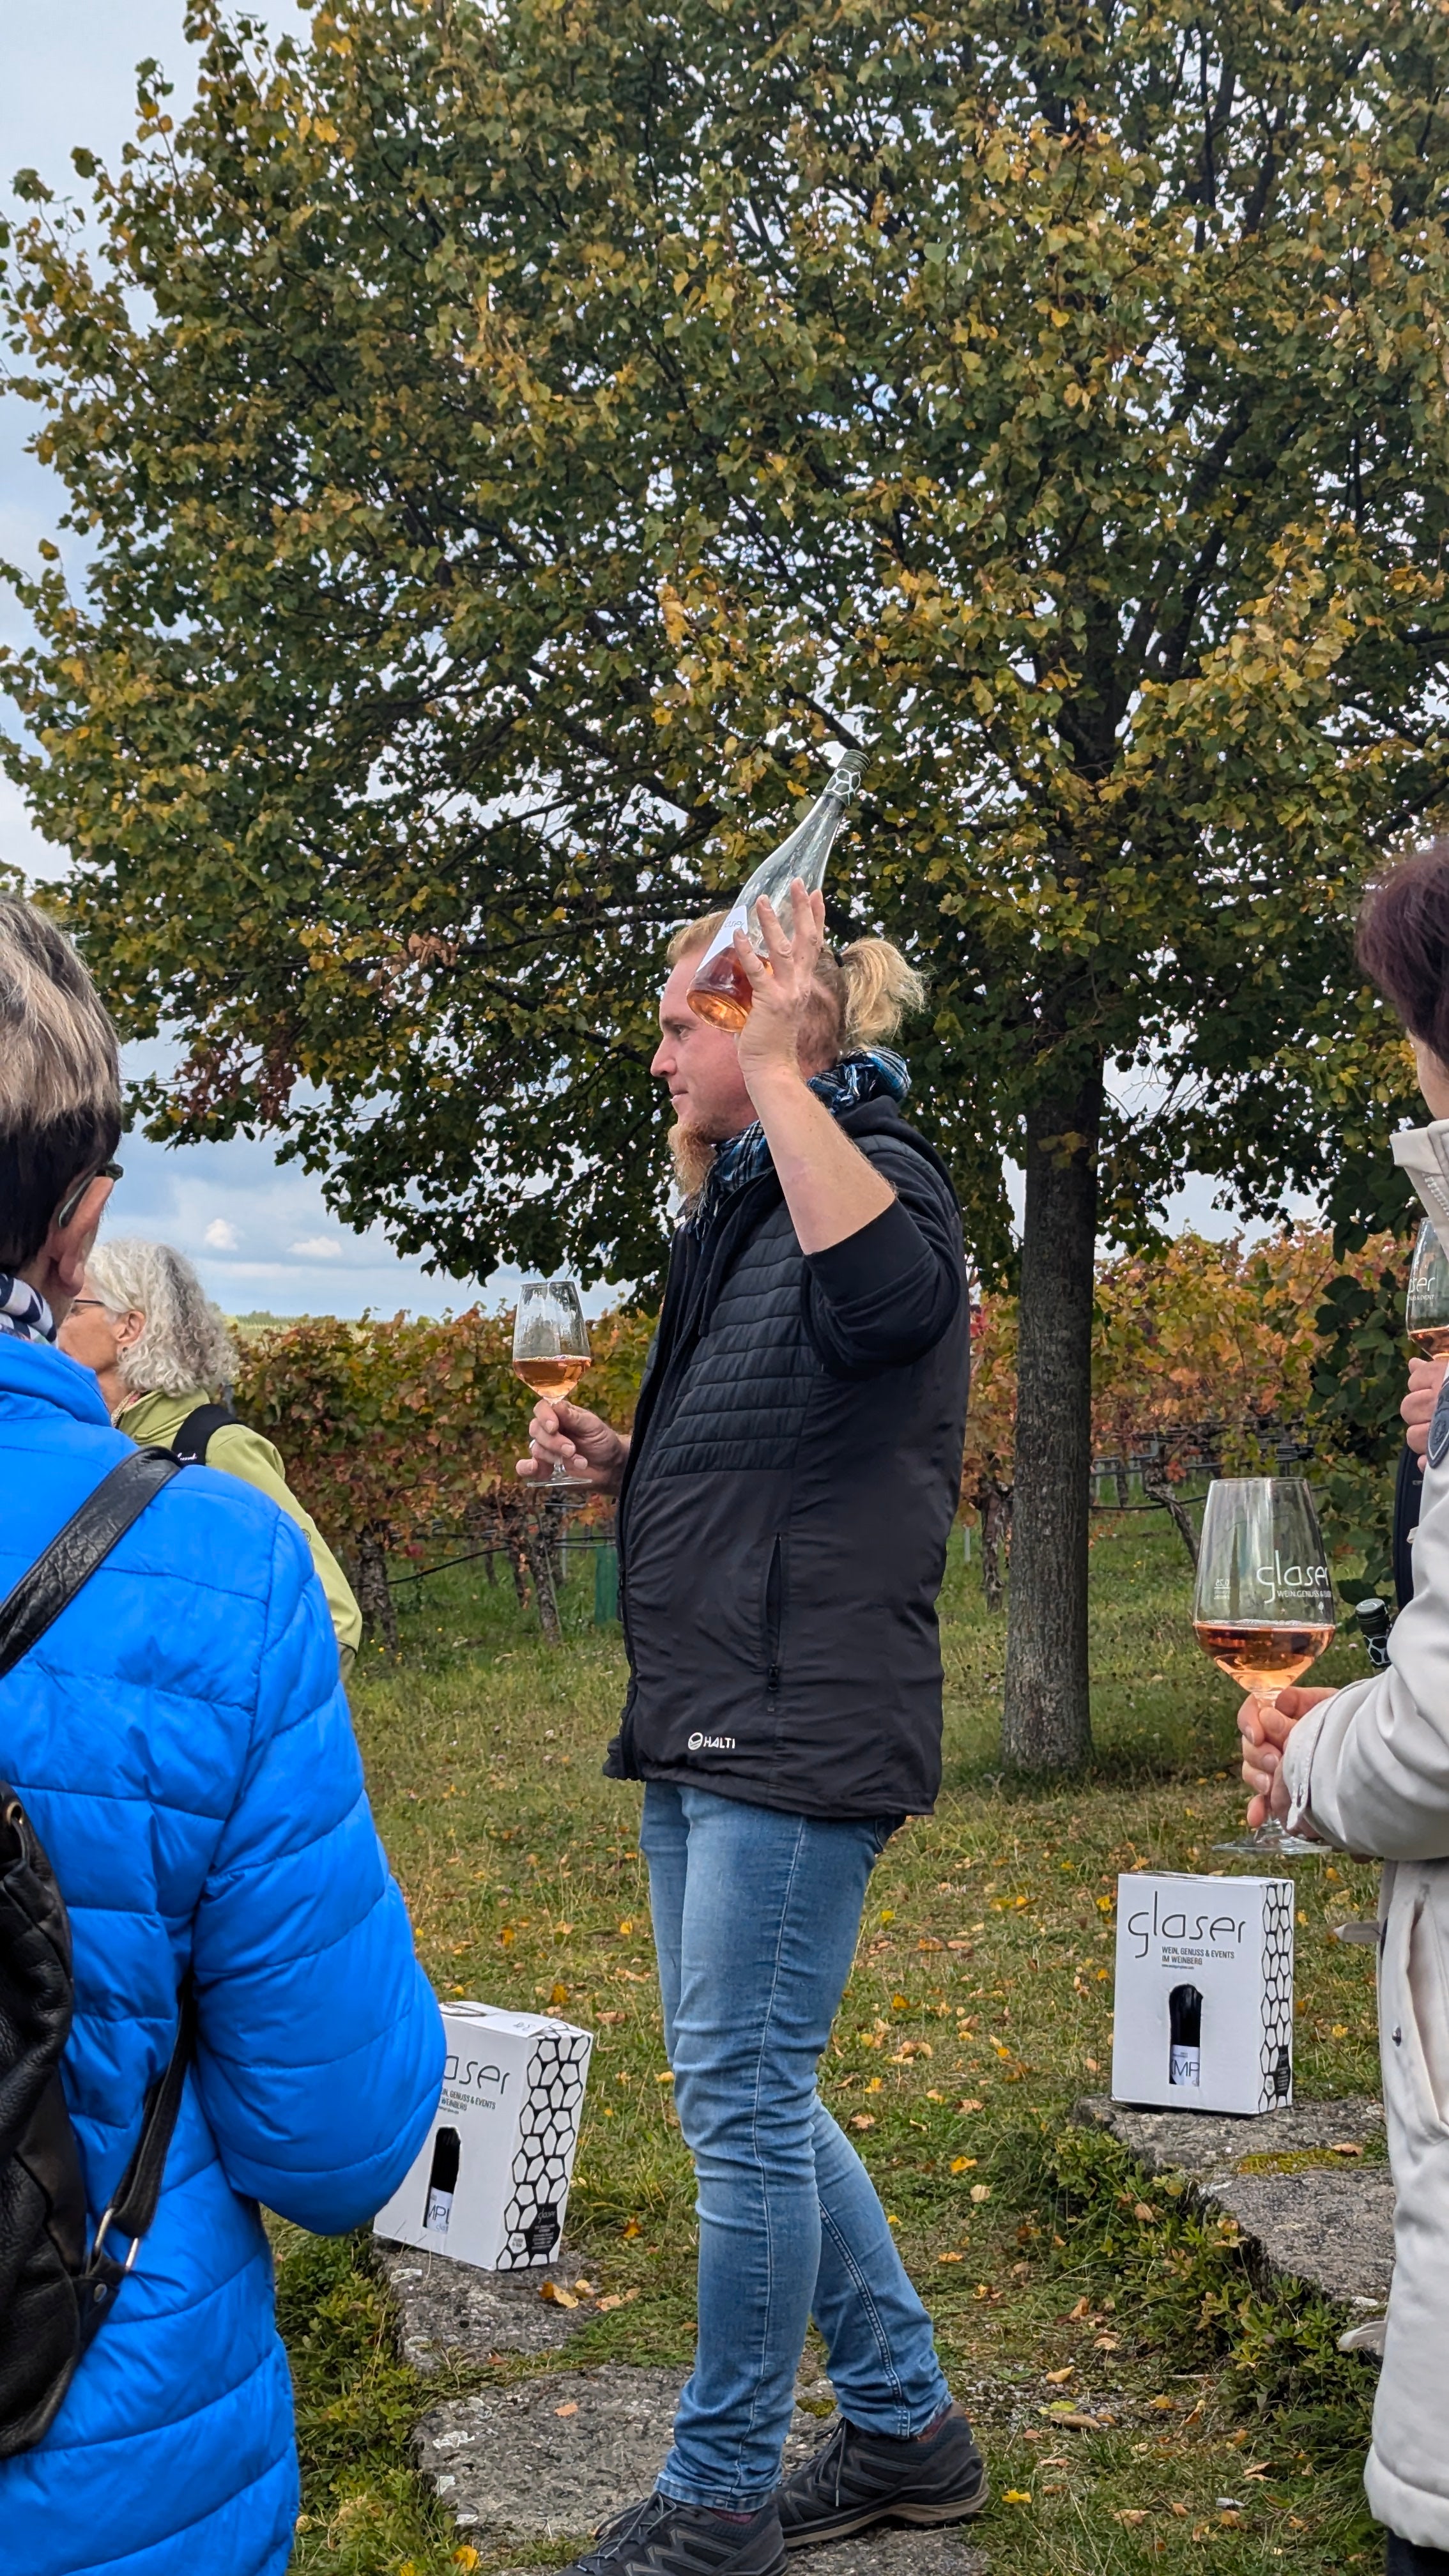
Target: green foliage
x=357 y=2406
x=1358 y=1383
x=511 y=446
x=394 y=1429
x=1183 y=2282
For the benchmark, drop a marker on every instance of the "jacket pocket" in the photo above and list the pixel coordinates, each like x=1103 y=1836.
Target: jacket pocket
x=1414 y=2011
x=773 y=1616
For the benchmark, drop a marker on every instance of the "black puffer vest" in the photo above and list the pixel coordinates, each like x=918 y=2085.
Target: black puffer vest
x=784 y=1519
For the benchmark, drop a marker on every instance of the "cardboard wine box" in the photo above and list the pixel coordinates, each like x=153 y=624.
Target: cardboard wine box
x=491 y=2184
x=1204 y=1992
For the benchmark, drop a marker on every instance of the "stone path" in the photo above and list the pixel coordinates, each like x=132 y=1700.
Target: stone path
x=1303 y=2210
x=451 y=2312
x=550 y=2457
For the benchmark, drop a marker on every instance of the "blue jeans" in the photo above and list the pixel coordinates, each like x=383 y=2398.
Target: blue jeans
x=756 y=1916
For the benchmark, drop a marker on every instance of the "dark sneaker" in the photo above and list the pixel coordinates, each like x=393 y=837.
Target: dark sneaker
x=856 y=2479
x=662 y=2538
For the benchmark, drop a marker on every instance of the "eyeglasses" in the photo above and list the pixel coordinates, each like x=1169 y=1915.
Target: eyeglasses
x=99 y=1304
x=69 y=1204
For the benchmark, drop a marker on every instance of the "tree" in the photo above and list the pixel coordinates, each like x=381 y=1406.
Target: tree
x=515 y=446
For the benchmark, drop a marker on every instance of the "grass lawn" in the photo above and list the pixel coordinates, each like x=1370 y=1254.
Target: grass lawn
x=979 y=2009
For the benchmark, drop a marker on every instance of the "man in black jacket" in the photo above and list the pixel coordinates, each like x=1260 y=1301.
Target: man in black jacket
x=784 y=1506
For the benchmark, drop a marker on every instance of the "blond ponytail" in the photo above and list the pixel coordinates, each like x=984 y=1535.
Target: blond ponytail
x=880 y=987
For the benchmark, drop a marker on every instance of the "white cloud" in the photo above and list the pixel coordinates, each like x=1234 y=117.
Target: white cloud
x=221 y=1235
x=316 y=1247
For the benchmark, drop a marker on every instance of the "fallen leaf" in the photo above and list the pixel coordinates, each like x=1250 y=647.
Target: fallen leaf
x=617 y=2299
x=981 y=2191
x=627 y=1925
x=928 y=1945
x=900 y=2003
x=1105 y=2343
x=558 y=2298
x=1083 y=2308
x=1142 y=2210
x=968 y=2106
x=1132 y=2513
x=862 y=2120
x=962 y=2164
x=1055 y=2378
x=633 y=2229
x=570 y=2409
x=1016 y=2495
x=1232 y=2519
x=1162 y=2405
x=950 y=2258
x=1346 y=2148
x=613 y=2016
x=560 y=1994
x=665 y=2078
x=585 y=2289
x=1180 y=2510
x=467 y=2558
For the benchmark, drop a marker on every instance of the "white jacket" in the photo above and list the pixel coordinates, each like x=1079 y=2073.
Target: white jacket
x=1369 y=1770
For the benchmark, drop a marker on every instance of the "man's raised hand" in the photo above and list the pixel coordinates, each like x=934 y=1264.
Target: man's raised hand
x=782 y=981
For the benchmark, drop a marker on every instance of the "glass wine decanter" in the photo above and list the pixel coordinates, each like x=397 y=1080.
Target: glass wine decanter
x=721 y=989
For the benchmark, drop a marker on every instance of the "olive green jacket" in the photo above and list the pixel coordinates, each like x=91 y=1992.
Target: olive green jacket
x=153 y=1422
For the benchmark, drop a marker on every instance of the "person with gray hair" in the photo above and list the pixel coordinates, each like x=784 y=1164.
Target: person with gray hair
x=177 y=1749
x=164 y=1356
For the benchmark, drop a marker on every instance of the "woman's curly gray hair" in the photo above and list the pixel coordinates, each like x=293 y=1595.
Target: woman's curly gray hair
x=186 y=1343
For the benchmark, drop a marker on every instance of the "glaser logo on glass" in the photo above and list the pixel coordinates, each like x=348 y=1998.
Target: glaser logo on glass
x=472 y=2071
x=1290 y=1579
x=1146 y=1927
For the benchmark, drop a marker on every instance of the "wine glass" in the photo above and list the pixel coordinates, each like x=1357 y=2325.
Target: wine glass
x=551 y=1348
x=1264 y=1608
x=1426 y=1317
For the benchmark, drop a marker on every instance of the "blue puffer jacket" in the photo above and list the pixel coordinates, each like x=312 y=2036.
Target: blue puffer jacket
x=181 y=1740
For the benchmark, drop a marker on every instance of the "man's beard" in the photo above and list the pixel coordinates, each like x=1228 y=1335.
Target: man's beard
x=693 y=1159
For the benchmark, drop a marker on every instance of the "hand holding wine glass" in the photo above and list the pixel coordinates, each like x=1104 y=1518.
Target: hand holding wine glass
x=551 y=1351
x=1264 y=1608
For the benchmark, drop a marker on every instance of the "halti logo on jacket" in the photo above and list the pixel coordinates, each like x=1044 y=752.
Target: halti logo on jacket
x=711 y=1744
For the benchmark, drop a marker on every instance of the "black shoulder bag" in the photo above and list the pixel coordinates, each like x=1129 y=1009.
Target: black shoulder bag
x=54 y=2292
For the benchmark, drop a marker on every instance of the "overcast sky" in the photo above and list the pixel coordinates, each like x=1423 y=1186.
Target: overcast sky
x=257 y=1230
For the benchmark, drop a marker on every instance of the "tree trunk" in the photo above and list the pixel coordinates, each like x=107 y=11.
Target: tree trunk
x=1157 y=1489
x=374 y=1594
x=536 y=1549
x=1046 y=1717
x=993 y=1504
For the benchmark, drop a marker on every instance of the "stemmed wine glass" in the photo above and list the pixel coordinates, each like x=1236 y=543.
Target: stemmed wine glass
x=1426 y=1318
x=551 y=1348
x=1264 y=1608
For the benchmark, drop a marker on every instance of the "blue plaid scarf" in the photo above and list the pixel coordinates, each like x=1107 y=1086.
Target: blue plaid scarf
x=23 y=1311
x=741 y=1159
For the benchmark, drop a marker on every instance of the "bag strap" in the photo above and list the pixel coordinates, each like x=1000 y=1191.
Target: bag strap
x=197 y=1431
x=133 y=2206
x=31 y=1607
x=73 y=1555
